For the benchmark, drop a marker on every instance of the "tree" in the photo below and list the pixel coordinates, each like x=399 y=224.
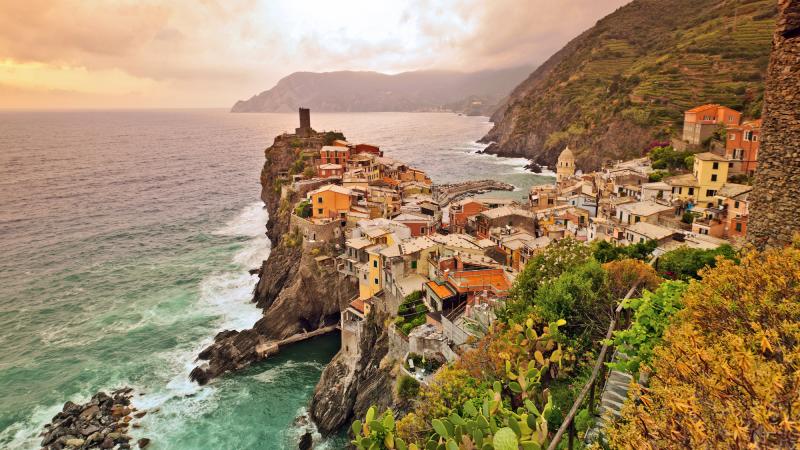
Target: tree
x=726 y=375
x=685 y=263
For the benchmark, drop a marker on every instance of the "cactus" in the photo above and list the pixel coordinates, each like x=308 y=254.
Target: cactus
x=378 y=433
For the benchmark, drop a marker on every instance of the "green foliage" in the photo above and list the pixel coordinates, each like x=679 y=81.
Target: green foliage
x=651 y=316
x=296 y=143
x=407 y=387
x=687 y=217
x=581 y=296
x=688 y=162
x=605 y=251
x=377 y=433
x=303 y=209
x=668 y=158
x=684 y=263
x=583 y=420
x=658 y=175
x=411 y=313
x=331 y=136
x=548 y=264
x=420 y=361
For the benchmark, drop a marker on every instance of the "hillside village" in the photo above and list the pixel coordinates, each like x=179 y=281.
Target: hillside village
x=438 y=259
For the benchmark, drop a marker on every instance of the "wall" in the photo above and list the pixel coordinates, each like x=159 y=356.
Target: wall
x=773 y=202
x=328 y=232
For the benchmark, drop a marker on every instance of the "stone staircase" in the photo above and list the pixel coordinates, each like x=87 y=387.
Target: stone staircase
x=615 y=392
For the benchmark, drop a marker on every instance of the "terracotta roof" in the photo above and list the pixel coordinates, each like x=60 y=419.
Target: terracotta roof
x=441 y=290
x=703 y=107
x=473 y=280
x=358 y=305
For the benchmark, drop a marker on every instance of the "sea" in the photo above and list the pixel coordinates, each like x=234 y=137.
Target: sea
x=126 y=238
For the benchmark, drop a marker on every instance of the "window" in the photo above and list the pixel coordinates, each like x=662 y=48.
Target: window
x=715 y=166
x=736 y=204
x=319 y=210
x=374 y=263
x=637 y=219
x=691 y=191
x=377 y=281
x=414 y=264
x=739 y=227
x=755 y=137
x=714 y=176
x=641 y=240
x=319 y=199
x=710 y=192
x=733 y=136
x=423 y=230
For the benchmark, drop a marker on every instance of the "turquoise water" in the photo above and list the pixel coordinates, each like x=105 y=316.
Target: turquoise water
x=126 y=240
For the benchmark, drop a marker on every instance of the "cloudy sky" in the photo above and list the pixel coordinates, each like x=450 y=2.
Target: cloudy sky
x=208 y=53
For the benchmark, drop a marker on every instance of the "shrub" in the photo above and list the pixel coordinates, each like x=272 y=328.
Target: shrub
x=624 y=273
x=604 y=251
x=407 y=387
x=685 y=263
x=411 y=313
x=726 y=374
x=331 y=136
x=651 y=315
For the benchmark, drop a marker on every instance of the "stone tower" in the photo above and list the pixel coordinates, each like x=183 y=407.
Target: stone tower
x=305 y=129
x=565 y=167
x=775 y=199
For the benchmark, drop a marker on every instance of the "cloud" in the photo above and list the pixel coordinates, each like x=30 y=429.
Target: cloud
x=209 y=53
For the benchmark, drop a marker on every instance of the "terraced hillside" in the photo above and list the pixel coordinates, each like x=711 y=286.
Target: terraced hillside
x=627 y=80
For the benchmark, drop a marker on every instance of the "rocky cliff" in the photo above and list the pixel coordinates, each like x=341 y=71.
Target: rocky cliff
x=296 y=294
x=774 y=218
x=355 y=380
x=348 y=91
x=628 y=79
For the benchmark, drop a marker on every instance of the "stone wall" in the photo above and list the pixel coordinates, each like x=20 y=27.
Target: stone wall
x=774 y=210
x=326 y=232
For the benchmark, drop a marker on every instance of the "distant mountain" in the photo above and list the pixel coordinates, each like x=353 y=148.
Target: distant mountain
x=347 y=91
x=627 y=80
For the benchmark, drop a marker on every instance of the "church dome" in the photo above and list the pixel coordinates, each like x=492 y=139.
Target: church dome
x=566 y=155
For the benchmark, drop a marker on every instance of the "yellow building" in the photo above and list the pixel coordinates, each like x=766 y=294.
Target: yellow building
x=709 y=174
x=330 y=202
x=565 y=167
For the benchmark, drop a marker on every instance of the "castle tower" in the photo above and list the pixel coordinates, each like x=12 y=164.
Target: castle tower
x=565 y=167
x=305 y=129
x=776 y=188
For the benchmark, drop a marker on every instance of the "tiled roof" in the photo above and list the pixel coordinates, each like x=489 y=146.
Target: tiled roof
x=472 y=280
x=441 y=290
x=703 y=107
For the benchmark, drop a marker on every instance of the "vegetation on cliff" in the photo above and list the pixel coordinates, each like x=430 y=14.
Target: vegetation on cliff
x=720 y=350
x=627 y=80
x=726 y=375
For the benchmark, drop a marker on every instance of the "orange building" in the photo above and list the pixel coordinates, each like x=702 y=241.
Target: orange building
x=330 y=170
x=461 y=211
x=332 y=154
x=330 y=202
x=699 y=123
x=741 y=147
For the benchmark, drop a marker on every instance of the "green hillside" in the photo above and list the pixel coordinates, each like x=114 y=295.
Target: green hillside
x=627 y=80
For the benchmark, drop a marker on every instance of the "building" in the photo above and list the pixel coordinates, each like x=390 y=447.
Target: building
x=330 y=202
x=420 y=224
x=709 y=174
x=701 y=122
x=641 y=232
x=741 y=147
x=334 y=154
x=728 y=218
x=565 y=167
x=330 y=170
x=504 y=216
x=543 y=196
x=647 y=211
x=305 y=129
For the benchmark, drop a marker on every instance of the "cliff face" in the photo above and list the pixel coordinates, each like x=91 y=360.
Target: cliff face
x=347 y=91
x=354 y=381
x=296 y=294
x=774 y=217
x=627 y=80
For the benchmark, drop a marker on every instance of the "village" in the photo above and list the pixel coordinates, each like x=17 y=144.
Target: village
x=439 y=259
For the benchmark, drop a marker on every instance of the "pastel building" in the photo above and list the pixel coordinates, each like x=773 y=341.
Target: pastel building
x=741 y=147
x=701 y=122
x=330 y=202
x=565 y=167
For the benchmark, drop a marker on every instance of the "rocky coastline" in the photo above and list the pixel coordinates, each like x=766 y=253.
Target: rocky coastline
x=103 y=422
x=296 y=293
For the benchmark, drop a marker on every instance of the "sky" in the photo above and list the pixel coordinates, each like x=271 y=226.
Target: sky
x=208 y=53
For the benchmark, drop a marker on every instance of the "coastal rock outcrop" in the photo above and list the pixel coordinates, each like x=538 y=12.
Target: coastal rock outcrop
x=102 y=422
x=353 y=381
x=297 y=293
